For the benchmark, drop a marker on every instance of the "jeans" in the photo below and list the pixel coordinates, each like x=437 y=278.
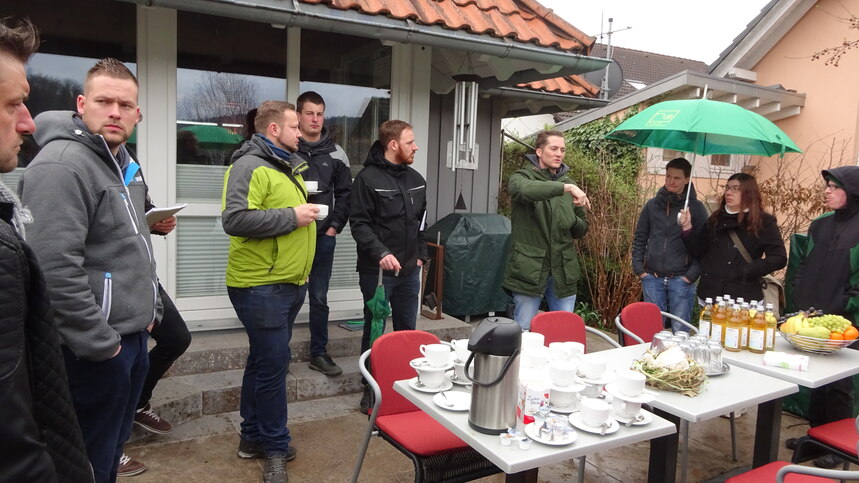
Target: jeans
x=105 y=395
x=171 y=340
x=672 y=294
x=401 y=291
x=268 y=314
x=526 y=306
x=317 y=290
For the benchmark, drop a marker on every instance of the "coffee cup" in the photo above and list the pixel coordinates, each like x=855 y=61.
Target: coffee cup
x=592 y=368
x=562 y=373
x=629 y=382
x=311 y=186
x=558 y=352
x=438 y=355
x=625 y=409
x=430 y=377
x=575 y=349
x=535 y=357
x=459 y=371
x=532 y=340
x=562 y=397
x=461 y=348
x=594 y=412
x=323 y=212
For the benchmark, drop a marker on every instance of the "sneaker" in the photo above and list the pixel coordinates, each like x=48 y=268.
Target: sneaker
x=129 y=467
x=148 y=420
x=829 y=461
x=793 y=443
x=275 y=469
x=365 y=401
x=325 y=365
x=256 y=450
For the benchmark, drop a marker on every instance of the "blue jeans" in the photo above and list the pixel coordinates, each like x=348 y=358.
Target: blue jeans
x=268 y=313
x=672 y=294
x=526 y=306
x=105 y=395
x=401 y=291
x=317 y=290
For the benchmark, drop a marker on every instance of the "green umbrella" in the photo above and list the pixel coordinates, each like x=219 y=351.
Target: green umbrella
x=704 y=127
x=380 y=309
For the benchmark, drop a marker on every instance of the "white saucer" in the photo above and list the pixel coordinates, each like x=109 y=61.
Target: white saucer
x=576 y=421
x=460 y=401
x=646 y=418
x=606 y=378
x=643 y=398
x=423 y=364
x=451 y=376
x=570 y=388
x=576 y=406
x=531 y=432
x=445 y=386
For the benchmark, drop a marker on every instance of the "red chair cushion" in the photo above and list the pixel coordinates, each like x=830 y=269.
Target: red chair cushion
x=389 y=362
x=560 y=326
x=420 y=434
x=642 y=319
x=839 y=434
x=768 y=472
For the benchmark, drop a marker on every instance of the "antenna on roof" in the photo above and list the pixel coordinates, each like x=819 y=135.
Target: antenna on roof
x=608 y=53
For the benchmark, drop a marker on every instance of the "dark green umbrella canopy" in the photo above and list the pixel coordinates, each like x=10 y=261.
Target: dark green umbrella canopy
x=704 y=127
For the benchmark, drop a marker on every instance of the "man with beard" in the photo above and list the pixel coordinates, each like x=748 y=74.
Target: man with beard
x=828 y=280
x=90 y=233
x=387 y=219
x=329 y=167
x=41 y=440
x=659 y=255
x=542 y=257
x=272 y=240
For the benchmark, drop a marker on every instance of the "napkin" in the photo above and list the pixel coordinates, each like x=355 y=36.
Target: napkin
x=784 y=360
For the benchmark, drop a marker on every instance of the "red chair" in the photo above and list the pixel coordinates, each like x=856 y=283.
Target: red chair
x=562 y=326
x=438 y=454
x=840 y=438
x=638 y=322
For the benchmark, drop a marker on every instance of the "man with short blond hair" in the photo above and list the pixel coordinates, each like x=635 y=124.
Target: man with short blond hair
x=272 y=232
x=388 y=217
x=90 y=232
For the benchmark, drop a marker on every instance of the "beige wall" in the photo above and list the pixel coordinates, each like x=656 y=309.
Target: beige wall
x=828 y=126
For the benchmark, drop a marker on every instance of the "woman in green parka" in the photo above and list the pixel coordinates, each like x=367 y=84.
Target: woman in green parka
x=548 y=214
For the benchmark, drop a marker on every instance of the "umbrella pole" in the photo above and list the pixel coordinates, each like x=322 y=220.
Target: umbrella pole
x=689 y=188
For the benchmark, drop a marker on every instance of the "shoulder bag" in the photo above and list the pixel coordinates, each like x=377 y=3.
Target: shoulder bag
x=772 y=288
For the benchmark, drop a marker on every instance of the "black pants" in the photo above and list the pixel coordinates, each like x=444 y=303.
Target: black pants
x=171 y=340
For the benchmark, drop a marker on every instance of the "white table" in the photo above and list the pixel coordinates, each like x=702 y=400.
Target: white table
x=822 y=369
x=737 y=389
x=522 y=465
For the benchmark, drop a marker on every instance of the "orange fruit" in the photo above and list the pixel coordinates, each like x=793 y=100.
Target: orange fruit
x=851 y=333
x=836 y=336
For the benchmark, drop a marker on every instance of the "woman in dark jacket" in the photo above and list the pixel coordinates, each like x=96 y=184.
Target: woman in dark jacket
x=723 y=268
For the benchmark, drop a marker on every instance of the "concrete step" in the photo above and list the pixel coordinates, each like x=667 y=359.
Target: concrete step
x=228 y=349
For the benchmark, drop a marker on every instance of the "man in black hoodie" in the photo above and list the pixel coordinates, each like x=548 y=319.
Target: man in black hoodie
x=828 y=279
x=659 y=257
x=387 y=219
x=328 y=165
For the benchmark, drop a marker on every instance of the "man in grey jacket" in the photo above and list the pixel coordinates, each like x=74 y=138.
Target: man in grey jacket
x=659 y=256
x=90 y=234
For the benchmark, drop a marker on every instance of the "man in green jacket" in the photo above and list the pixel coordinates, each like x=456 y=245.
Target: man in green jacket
x=542 y=259
x=272 y=232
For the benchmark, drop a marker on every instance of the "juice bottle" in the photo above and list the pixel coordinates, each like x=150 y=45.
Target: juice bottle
x=745 y=325
x=758 y=332
x=717 y=322
x=733 y=328
x=706 y=317
x=769 y=315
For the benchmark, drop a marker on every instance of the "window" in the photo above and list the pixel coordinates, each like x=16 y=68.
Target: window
x=721 y=160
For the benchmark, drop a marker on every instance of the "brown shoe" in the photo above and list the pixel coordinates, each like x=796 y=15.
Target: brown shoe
x=148 y=420
x=129 y=467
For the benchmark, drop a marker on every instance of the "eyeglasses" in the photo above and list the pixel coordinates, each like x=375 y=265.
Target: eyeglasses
x=732 y=187
x=831 y=187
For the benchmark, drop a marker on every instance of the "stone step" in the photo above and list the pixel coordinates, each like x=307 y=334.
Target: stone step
x=228 y=349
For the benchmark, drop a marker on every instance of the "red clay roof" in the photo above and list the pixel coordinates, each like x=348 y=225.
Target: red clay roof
x=572 y=85
x=524 y=21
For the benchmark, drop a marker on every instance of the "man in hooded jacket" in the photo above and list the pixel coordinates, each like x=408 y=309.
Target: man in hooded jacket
x=659 y=256
x=542 y=259
x=828 y=280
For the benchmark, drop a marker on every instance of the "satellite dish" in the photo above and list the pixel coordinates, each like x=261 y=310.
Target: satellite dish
x=615 y=77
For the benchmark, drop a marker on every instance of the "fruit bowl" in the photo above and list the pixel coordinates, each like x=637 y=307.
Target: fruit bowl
x=815 y=345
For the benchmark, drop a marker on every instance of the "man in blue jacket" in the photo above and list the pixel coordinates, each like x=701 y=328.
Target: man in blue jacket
x=659 y=255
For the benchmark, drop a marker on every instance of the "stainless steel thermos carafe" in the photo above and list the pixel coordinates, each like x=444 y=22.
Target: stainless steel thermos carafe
x=494 y=347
